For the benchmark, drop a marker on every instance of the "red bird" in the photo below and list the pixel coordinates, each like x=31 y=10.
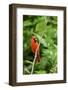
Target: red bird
x=35 y=46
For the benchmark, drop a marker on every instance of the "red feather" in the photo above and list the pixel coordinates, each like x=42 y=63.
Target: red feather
x=34 y=46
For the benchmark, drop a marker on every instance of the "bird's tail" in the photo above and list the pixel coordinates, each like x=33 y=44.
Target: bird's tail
x=38 y=57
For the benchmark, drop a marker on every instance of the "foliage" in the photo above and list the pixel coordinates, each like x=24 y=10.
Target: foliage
x=38 y=25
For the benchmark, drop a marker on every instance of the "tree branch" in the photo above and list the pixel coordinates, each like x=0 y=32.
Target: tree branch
x=34 y=59
x=35 y=56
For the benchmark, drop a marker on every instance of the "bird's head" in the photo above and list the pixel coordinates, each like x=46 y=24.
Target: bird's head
x=34 y=38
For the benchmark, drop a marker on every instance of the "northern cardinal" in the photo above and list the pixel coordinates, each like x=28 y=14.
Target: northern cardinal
x=35 y=46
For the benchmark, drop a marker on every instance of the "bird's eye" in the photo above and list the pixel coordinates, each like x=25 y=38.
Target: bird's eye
x=34 y=39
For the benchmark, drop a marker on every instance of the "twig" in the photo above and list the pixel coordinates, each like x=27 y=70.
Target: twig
x=35 y=56
x=34 y=59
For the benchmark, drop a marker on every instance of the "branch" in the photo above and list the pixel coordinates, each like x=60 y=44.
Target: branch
x=34 y=59
x=35 y=56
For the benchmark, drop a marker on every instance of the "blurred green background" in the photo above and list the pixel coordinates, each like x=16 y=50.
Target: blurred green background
x=38 y=25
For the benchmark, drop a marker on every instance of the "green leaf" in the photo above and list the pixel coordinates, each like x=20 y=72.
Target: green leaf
x=27 y=23
x=40 y=72
x=28 y=62
x=40 y=27
x=26 y=70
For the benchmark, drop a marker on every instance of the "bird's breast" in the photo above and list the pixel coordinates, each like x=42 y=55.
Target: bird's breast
x=34 y=46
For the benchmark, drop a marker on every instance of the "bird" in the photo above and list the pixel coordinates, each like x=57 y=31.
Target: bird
x=35 y=46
